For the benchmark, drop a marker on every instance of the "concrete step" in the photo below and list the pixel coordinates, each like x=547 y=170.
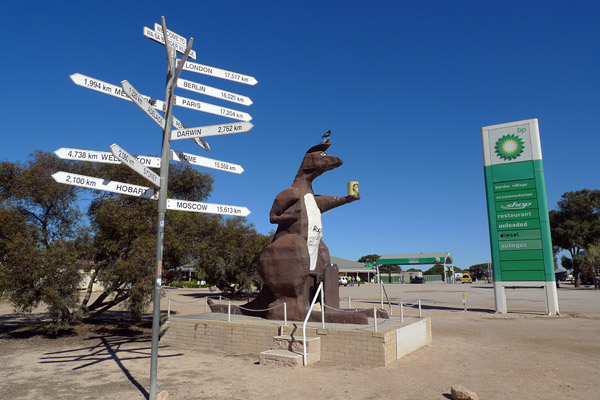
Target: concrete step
x=280 y=358
x=295 y=344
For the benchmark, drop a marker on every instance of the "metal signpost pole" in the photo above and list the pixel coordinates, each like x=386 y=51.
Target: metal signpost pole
x=172 y=77
x=380 y=286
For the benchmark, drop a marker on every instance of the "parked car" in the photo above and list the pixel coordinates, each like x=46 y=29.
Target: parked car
x=343 y=281
x=417 y=279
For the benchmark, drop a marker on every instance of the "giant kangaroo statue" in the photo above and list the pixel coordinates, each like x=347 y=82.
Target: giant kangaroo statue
x=297 y=260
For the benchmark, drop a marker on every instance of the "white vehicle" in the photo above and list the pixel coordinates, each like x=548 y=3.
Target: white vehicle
x=343 y=281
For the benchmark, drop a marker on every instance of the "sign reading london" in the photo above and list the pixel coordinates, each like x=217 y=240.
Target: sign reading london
x=517 y=208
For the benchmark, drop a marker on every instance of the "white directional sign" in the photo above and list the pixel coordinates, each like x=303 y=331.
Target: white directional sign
x=172 y=35
x=103 y=184
x=206 y=162
x=213 y=92
x=110 y=89
x=106 y=157
x=159 y=37
x=208 y=208
x=211 y=130
x=141 y=102
x=211 y=109
x=218 y=73
x=134 y=164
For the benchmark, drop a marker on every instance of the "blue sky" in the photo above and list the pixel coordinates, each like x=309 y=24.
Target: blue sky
x=404 y=86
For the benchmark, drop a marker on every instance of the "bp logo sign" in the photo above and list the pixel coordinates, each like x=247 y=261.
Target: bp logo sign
x=509 y=147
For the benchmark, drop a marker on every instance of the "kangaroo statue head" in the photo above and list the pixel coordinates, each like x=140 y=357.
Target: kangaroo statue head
x=316 y=161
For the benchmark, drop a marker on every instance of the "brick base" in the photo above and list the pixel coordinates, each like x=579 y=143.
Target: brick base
x=340 y=343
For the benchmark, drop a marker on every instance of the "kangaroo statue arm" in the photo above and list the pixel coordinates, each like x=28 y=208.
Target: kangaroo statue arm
x=326 y=203
x=285 y=207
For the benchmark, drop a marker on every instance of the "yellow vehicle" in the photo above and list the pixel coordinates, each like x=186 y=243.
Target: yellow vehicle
x=466 y=278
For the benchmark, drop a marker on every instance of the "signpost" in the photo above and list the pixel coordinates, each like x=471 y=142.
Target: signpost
x=140 y=164
x=196 y=206
x=211 y=130
x=134 y=164
x=159 y=38
x=90 y=182
x=193 y=159
x=518 y=211
x=218 y=73
x=211 y=109
x=213 y=92
x=105 y=157
x=141 y=102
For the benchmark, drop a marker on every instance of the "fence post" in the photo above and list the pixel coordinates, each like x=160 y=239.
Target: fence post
x=219 y=299
x=169 y=309
x=349 y=302
x=401 y=313
x=229 y=311
x=420 y=315
x=375 y=319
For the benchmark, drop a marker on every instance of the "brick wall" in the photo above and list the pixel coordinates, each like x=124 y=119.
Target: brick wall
x=353 y=347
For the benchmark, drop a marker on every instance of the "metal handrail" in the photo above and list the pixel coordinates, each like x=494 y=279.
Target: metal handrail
x=319 y=289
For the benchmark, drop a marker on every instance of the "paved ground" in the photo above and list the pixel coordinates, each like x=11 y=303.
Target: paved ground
x=522 y=355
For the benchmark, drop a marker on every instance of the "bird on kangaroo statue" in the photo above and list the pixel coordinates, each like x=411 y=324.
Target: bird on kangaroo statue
x=297 y=260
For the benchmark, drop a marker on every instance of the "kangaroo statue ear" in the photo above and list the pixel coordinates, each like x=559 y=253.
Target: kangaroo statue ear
x=324 y=145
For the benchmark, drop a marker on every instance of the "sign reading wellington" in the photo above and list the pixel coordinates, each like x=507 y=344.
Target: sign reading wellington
x=517 y=210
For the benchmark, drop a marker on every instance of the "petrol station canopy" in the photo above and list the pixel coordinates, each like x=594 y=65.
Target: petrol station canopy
x=415 y=259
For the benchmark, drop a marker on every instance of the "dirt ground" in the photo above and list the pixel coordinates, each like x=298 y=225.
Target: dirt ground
x=521 y=355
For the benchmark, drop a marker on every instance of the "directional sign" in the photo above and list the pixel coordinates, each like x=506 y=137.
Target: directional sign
x=141 y=102
x=211 y=130
x=134 y=164
x=208 y=208
x=211 y=109
x=218 y=73
x=159 y=37
x=172 y=35
x=106 y=157
x=205 y=162
x=213 y=92
x=103 y=184
x=110 y=89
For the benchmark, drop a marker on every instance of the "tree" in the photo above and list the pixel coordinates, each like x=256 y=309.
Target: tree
x=576 y=225
x=46 y=242
x=369 y=258
x=124 y=238
x=437 y=269
x=230 y=261
x=479 y=271
x=42 y=241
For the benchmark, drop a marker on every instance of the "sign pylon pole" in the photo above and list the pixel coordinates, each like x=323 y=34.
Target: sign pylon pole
x=172 y=76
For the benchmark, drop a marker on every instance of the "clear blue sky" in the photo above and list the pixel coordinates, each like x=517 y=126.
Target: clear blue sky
x=404 y=86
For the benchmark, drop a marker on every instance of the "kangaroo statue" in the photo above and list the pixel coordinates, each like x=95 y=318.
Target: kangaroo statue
x=297 y=260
